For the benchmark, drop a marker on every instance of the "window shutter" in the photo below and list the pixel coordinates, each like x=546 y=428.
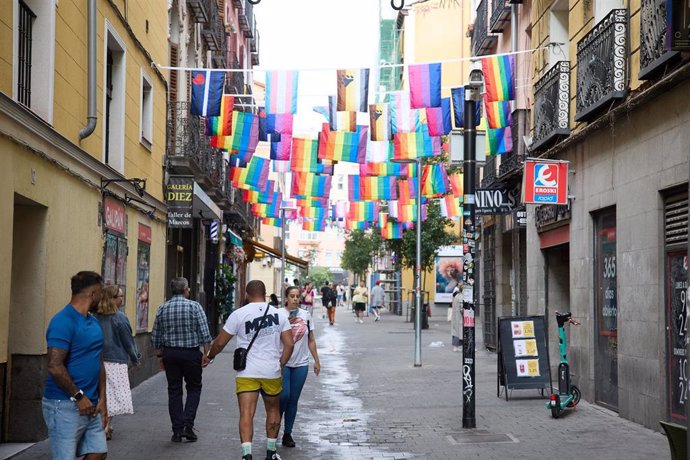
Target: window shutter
x=174 y=62
x=676 y=220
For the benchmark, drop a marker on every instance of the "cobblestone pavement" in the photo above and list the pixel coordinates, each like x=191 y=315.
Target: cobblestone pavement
x=370 y=402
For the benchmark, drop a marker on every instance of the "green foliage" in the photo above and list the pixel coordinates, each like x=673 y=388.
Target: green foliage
x=360 y=248
x=225 y=286
x=319 y=276
x=312 y=255
x=435 y=233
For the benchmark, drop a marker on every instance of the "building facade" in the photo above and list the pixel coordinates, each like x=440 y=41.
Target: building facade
x=612 y=102
x=82 y=136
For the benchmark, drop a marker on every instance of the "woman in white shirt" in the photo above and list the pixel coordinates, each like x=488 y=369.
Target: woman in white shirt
x=296 y=370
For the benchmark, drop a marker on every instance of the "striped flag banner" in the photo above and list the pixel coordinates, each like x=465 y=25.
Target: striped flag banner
x=342 y=146
x=305 y=155
x=410 y=146
x=458 y=97
x=356 y=225
x=312 y=202
x=456 y=184
x=272 y=221
x=366 y=211
x=499 y=78
x=379 y=152
x=499 y=141
x=388 y=169
x=306 y=184
x=450 y=207
x=245 y=134
x=314 y=213
x=438 y=118
x=207 y=91
x=354 y=188
x=498 y=114
x=407 y=190
x=378 y=188
x=434 y=180
x=383 y=219
x=425 y=85
x=392 y=231
x=379 y=122
x=222 y=124
x=408 y=212
x=403 y=119
x=256 y=174
x=281 y=166
x=280 y=123
x=281 y=91
x=353 y=90
x=314 y=225
x=281 y=149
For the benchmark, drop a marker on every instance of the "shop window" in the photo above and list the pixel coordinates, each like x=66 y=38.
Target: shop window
x=146 y=115
x=143 y=272
x=115 y=250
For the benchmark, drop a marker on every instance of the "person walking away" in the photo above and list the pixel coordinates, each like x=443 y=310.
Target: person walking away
x=378 y=296
x=274 y=300
x=359 y=300
x=339 y=294
x=179 y=329
x=308 y=296
x=325 y=296
x=118 y=349
x=456 y=318
x=331 y=303
x=296 y=370
x=273 y=344
x=74 y=398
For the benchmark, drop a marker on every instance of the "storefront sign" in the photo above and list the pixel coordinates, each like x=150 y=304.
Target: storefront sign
x=179 y=193
x=495 y=201
x=678 y=20
x=545 y=182
x=114 y=215
x=677 y=317
x=144 y=233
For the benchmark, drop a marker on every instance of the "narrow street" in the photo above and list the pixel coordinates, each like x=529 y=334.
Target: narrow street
x=371 y=403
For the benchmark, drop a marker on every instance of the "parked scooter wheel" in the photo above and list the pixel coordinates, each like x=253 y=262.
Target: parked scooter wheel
x=555 y=406
x=575 y=391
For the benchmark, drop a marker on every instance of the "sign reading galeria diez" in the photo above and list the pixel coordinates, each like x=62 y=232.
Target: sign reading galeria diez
x=179 y=192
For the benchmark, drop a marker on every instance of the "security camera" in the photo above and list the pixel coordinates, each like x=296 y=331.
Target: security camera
x=140 y=187
x=476 y=80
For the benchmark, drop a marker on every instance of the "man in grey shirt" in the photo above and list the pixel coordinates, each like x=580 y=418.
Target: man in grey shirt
x=377 y=299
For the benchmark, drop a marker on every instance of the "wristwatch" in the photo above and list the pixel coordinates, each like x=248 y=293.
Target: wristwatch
x=77 y=396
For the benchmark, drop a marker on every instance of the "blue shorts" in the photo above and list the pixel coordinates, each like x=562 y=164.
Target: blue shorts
x=72 y=435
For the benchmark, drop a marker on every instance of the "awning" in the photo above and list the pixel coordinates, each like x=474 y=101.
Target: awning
x=203 y=206
x=234 y=238
x=296 y=261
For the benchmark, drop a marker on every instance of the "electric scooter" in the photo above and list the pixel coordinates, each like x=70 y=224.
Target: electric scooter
x=568 y=395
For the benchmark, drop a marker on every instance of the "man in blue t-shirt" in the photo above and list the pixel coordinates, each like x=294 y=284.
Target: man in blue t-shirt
x=74 y=394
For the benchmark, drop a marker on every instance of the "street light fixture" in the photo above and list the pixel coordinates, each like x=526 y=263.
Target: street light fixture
x=418 y=264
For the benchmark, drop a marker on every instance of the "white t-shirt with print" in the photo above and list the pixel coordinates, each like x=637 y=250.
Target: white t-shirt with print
x=300 y=334
x=263 y=359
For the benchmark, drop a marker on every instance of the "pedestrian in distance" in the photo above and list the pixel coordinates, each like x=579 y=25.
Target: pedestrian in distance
x=308 y=296
x=274 y=300
x=119 y=349
x=331 y=303
x=340 y=294
x=378 y=296
x=179 y=329
x=456 y=318
x=359 y=299
x=296 y=370
x=264 y=332
x=74 y=399
x=325 y=295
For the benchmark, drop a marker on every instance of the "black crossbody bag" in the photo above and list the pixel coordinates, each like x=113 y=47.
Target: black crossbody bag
x=239 y=359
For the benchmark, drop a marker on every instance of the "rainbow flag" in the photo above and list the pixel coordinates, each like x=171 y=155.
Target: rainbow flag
x=353 y=90
x=342 y=146
x=363 y=211
x=425 y=85
x=499 y=78
x=266 y=210
x=222 y=124
x=379 y=122
x=434 y=180
x=392 y=231
x=280 y=123
x=314 y=213
x=257 y=172
x=405 y=212
x=438 y=118
x=456 y=184
x=388 y=169
x=306 y=184
x=407 y=190
x=272 y=221
x=378 y=188
x=281 y=91
x=304 y=155
x=314 y=225
x=282 y=149
x=498 y=114
x=245 y=134
x=383 y=219
x=379 y=152
x=410 y=146
x=354 y=188
x=458 y=96
x=311 y=202
x=499 y=141
x=450 y=207
x=356 y=225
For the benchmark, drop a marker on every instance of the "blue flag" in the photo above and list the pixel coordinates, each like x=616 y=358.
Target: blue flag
x=207 y=92
x=459 y=107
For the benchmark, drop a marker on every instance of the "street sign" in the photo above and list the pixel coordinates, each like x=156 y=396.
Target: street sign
x=495 y=201
x=545 y=182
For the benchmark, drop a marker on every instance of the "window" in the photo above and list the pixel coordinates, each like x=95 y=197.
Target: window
x=146 y=115
x=143 y=263
x=114 y=100
x=558 y=31
x=603 y=7
x=34 y=56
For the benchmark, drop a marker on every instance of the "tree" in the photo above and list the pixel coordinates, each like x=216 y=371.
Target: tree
x=319 y=276
x=360 y=248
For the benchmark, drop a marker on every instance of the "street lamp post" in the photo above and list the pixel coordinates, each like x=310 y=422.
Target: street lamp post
x=285 y=206
x=472 y=96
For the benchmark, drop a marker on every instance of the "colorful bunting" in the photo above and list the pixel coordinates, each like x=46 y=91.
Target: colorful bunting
x=280 y=123
x=458 y=96
x=378 y=188
x=379 y=122
x=281 y=91
x=282 y=149
x=392 y=231
x=306 y=184
x=314 y=225
x=498 y=114
x=410 y=146
x=499 y=78
x=388 y=169
x=434 y=180
x=364 y=211
x=499 y=141
x=425 y=85
x=450 y=207
x=342 y=146
x=222 y=124
x=438 y=118
x=353 y=90
x=456 y=184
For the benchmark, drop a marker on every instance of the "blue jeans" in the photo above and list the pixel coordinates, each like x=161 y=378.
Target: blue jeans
x=293 y=382
x=72 y=435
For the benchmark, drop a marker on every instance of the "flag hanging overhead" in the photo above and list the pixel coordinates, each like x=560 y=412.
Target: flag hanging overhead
x=245 y=135
x=280 y=123
x=450 y=207
x=458 y=96
x=281 y=91
x=425 y=85
x=499 y=141
x=438 y=118
x=207 y=90
x=378 y=188
x=353 y=90
x=304 y=157
x=456 y=184
x=499 y=78
x=392 y=231
x=387 y=169
x=403 y=118
x=379 y=122
x=410 y=146
x=434 y=180
x=497 y=114
x=306 y=184
x=222 y=124
x=363 y=211
x=342 y=146
x=282 y=148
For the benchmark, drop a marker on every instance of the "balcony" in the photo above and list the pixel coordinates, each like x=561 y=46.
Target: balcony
x=238 y=4
x=246 y=19
x=189 y=151
x=511 y=163
x=602 y=66
x=482 y=41
x=198 y=10
x=552 y=106
x=547 y=216
x=235 y=80
x=219 y=56
x=500 y=15
x=210 y=32
x=489 y=178
x=653 y=52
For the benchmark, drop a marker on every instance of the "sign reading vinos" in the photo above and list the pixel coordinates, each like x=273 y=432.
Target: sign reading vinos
x=179 y=192
x=495 y=201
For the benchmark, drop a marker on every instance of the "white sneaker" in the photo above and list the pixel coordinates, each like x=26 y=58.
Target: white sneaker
x=361 y=321
x=378 y=318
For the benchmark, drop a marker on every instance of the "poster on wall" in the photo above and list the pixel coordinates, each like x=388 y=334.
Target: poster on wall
x=448 y=273
x=143 y=263
x=677 y=318
x=115 y=250
x=527 y=367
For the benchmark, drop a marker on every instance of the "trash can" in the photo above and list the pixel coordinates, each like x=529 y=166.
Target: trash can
x=425 y=315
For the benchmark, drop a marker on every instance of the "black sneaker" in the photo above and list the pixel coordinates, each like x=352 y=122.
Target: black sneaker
x=272 y=455
x=188 y=432
x=288 y=441
x=176 y=437
x=247 y=457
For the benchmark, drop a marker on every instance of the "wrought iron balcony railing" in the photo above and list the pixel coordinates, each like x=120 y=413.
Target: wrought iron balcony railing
x=546 y=215
x=510 y=163
x=653 y=52
x=199 y=10
x=246 y=19
x=552 y=106
x=489 y=172
x=602 y=65
x=500 y=15
x=220 y=56
x=209 y=32
x=482 y=41
x=238 y=4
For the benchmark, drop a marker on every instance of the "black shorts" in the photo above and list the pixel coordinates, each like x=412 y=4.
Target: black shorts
x=360 y=306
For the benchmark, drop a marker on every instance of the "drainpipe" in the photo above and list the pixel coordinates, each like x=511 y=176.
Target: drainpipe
x=91 y=116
